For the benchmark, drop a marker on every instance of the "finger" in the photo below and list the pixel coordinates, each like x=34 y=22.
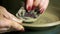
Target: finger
x=3 y=30
x=43 y=5
x=35 y=4
x=8 y=15
x=29 y=5
x=9 y=23
x=17 y=26
x=12 y=17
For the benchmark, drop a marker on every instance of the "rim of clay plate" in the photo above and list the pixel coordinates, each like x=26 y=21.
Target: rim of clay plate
x=42 y=25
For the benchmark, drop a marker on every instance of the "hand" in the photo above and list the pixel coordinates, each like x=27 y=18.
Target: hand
x=42 y=4
x=8 y=20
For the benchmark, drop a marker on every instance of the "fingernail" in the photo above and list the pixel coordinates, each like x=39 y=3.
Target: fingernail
x=29 y=8
x=22 y=30
x=33 y=7
x=41 y=11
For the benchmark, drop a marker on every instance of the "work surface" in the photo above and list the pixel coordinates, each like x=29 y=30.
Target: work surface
x=53 y=30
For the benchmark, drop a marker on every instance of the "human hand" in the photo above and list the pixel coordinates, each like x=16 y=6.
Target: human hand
x=32 y=4
x=7 y=20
